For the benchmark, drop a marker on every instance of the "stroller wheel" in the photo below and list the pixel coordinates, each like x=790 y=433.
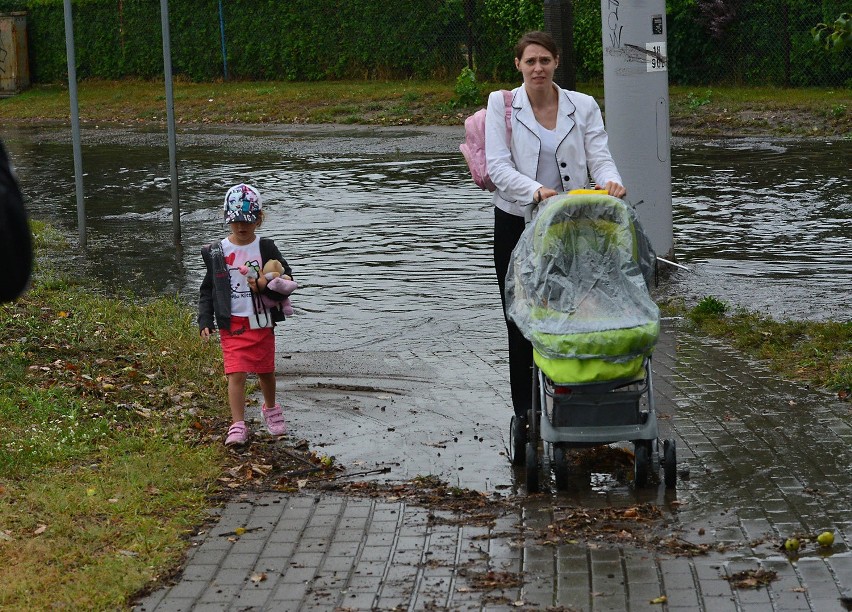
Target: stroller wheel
x=641 y=462
x=561 y=472
x=670 y=464
x=517 y=440
x=532 y=468
x=656 y=458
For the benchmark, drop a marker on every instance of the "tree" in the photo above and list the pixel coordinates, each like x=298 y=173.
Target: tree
x=718 y=14
x=834 y=37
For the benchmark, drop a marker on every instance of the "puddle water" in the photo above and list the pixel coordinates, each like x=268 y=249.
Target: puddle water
x=391 y=240
x=766 y=225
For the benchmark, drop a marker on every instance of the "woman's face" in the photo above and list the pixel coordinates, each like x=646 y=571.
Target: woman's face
x=537 y=66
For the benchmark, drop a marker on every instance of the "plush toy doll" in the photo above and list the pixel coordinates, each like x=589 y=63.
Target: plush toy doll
x=276 y=281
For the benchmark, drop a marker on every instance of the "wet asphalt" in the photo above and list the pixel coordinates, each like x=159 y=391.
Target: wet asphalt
x=760 y=460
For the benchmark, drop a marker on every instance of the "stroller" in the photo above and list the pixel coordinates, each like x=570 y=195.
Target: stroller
x=577 y=288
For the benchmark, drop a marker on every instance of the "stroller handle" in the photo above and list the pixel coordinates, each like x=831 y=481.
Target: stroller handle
x=530 y=209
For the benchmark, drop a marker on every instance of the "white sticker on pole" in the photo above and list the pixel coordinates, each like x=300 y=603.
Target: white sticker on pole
x=656 y=58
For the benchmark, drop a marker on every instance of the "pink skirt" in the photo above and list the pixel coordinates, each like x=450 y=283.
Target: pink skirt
x=246 y=349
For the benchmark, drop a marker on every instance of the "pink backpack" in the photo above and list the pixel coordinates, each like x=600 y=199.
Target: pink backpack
x=473 y=147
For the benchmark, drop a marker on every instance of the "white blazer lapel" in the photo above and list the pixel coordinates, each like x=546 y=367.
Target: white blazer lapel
x=525 y=114
x=565 y=116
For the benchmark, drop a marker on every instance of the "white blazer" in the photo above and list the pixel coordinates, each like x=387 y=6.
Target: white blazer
x=513 y=166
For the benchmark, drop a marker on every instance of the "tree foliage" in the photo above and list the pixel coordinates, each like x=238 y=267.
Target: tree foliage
x=834 y=37
x=718 y=14
x=709 y=41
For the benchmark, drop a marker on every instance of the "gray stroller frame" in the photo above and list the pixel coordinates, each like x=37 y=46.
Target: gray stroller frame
x=589 y=415
x=584 y=415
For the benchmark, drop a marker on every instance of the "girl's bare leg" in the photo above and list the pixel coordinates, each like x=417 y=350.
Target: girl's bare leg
x=237 y=396
x=267 y=387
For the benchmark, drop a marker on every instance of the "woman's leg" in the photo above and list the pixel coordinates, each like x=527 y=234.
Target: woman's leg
x=507 y=230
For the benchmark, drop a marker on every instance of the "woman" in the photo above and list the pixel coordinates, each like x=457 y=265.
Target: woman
x=557 y=139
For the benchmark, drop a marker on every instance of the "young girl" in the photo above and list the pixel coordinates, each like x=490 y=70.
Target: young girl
x=245 y=323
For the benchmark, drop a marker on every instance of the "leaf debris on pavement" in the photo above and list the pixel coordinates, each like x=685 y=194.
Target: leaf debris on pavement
x=751 y=579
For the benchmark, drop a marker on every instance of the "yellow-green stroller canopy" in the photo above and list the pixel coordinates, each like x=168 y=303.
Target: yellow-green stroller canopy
x=577 y=289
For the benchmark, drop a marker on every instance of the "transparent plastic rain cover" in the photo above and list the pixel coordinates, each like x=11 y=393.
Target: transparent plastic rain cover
x=577 y=285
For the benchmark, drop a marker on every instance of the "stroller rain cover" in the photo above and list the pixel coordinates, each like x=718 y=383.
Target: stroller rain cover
x=577 y=285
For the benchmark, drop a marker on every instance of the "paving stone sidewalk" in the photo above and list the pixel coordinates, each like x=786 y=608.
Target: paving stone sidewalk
x=766 y=459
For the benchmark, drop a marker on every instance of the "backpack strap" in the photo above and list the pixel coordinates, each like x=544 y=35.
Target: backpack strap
x=507 y=103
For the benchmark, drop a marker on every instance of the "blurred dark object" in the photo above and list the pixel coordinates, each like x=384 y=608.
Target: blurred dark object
x=16 y=248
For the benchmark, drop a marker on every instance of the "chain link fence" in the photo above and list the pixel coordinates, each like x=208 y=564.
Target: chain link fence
x=737 y=42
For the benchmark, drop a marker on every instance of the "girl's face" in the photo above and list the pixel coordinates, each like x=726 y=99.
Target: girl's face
x=242 y=233
x=537 y=66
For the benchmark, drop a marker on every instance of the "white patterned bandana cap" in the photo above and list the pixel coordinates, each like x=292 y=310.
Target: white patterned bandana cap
x=242 y=203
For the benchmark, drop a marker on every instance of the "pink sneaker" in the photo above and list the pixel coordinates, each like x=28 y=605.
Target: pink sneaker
x=237 y=434
x=274 y=420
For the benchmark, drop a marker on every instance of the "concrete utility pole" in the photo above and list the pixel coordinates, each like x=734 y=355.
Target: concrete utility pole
x=636 y=86
x=559 y=23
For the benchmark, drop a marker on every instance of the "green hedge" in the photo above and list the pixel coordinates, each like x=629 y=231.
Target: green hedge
x=768 y=43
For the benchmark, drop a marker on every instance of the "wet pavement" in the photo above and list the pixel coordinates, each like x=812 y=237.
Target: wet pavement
x=766 y=459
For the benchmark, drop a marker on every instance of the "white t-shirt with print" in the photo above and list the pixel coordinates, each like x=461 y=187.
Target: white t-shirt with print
x=242 y=304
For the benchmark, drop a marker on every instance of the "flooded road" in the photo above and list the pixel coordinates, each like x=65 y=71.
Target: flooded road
x=391 y=240
x=387 y=221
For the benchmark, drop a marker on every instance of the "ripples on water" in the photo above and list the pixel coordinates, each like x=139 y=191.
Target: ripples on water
x=394 y=250
x=766 y=226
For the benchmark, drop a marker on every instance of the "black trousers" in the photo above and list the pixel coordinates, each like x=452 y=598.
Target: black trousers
x=507 y=230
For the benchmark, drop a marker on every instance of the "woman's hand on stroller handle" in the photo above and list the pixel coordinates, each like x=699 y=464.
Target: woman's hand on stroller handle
x=614 y=189
x=611 y=188
x=542 y=193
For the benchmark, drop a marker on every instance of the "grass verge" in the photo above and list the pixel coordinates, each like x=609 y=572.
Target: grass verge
x=694 y=111
x=819 y=353
x=102 y=476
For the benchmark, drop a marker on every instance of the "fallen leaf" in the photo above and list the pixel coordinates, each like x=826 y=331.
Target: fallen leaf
x=40 y=530
x=659 y=600
x=259 y=577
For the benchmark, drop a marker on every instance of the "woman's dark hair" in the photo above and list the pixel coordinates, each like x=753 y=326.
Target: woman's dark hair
x=536 y=37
